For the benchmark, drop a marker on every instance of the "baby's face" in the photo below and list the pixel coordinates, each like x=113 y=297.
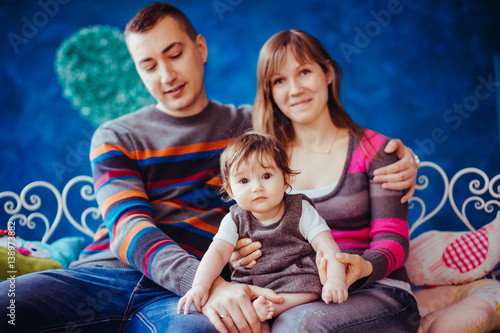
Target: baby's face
x=258 y=186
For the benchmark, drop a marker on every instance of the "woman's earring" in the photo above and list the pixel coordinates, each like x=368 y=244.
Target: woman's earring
x=329 y=82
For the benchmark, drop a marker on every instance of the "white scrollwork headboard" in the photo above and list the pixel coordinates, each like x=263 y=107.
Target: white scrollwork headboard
x=473 y=196
x=16 y=205
x=478 y=188
x=25 y=209
x=422 y=184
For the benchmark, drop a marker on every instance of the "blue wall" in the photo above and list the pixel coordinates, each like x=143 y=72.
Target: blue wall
x=415 y=70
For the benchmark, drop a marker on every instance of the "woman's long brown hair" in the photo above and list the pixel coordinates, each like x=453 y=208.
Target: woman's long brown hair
x=267 y=117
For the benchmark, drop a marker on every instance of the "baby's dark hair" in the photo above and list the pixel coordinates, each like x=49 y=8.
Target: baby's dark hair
x=244 y=146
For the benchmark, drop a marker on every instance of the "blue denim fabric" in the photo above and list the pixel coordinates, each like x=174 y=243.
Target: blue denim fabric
x=378 y=308
x=94 y=299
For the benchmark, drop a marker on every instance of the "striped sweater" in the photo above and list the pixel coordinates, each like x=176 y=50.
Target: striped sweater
x=366 y=219
x=157 y=184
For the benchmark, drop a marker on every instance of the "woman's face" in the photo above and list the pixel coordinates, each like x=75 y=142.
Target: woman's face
x=301 y=91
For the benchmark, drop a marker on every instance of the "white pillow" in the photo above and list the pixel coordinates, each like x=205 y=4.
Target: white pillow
x=444 y=258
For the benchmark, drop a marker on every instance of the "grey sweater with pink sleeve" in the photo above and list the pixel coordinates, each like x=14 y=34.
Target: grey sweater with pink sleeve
x=364 y=218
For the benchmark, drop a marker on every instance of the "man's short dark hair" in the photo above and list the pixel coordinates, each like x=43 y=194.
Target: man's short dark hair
x=147 y=17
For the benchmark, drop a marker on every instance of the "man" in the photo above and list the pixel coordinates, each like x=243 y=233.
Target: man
x=156 y=175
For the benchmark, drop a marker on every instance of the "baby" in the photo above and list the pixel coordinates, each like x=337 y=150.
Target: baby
x=256 y=174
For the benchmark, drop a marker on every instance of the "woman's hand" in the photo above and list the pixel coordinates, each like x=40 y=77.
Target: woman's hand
x=356 y=267
x=245 y=253
x=400 y=175
x=230 y=308
x=321 y=264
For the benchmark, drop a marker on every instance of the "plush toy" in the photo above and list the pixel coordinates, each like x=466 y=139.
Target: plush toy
x=34 y=256
x=23 y=264
x=444 y=258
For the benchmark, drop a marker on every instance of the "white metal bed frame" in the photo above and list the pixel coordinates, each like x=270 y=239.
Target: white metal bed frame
x=15 y=204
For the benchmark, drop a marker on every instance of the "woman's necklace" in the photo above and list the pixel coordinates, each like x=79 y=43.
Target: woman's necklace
x=328 y=151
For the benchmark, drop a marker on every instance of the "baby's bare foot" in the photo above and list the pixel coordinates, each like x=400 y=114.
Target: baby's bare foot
x=264 y=308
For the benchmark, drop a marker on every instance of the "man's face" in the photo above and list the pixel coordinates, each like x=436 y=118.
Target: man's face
x=171 y=66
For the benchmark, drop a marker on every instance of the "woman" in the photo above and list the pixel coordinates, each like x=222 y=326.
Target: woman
x=298 y=102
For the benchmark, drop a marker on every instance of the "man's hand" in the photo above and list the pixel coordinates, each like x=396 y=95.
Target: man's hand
x=230 y=308
x=400 y=175
x=245 y=253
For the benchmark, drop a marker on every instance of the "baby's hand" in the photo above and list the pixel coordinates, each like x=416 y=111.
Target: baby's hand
x=334 y=290
x=198 y=295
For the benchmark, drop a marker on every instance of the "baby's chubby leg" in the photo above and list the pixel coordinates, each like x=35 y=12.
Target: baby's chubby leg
x=266 y=309
x=293 y=300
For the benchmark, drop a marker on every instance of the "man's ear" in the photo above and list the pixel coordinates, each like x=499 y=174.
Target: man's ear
x=201 y=44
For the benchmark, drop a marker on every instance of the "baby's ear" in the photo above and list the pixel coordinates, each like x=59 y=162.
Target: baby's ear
x=288 y=180
x=227 y=188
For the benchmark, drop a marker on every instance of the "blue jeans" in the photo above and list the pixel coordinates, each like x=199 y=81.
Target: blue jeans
x=378 y=308
x=93 y=299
